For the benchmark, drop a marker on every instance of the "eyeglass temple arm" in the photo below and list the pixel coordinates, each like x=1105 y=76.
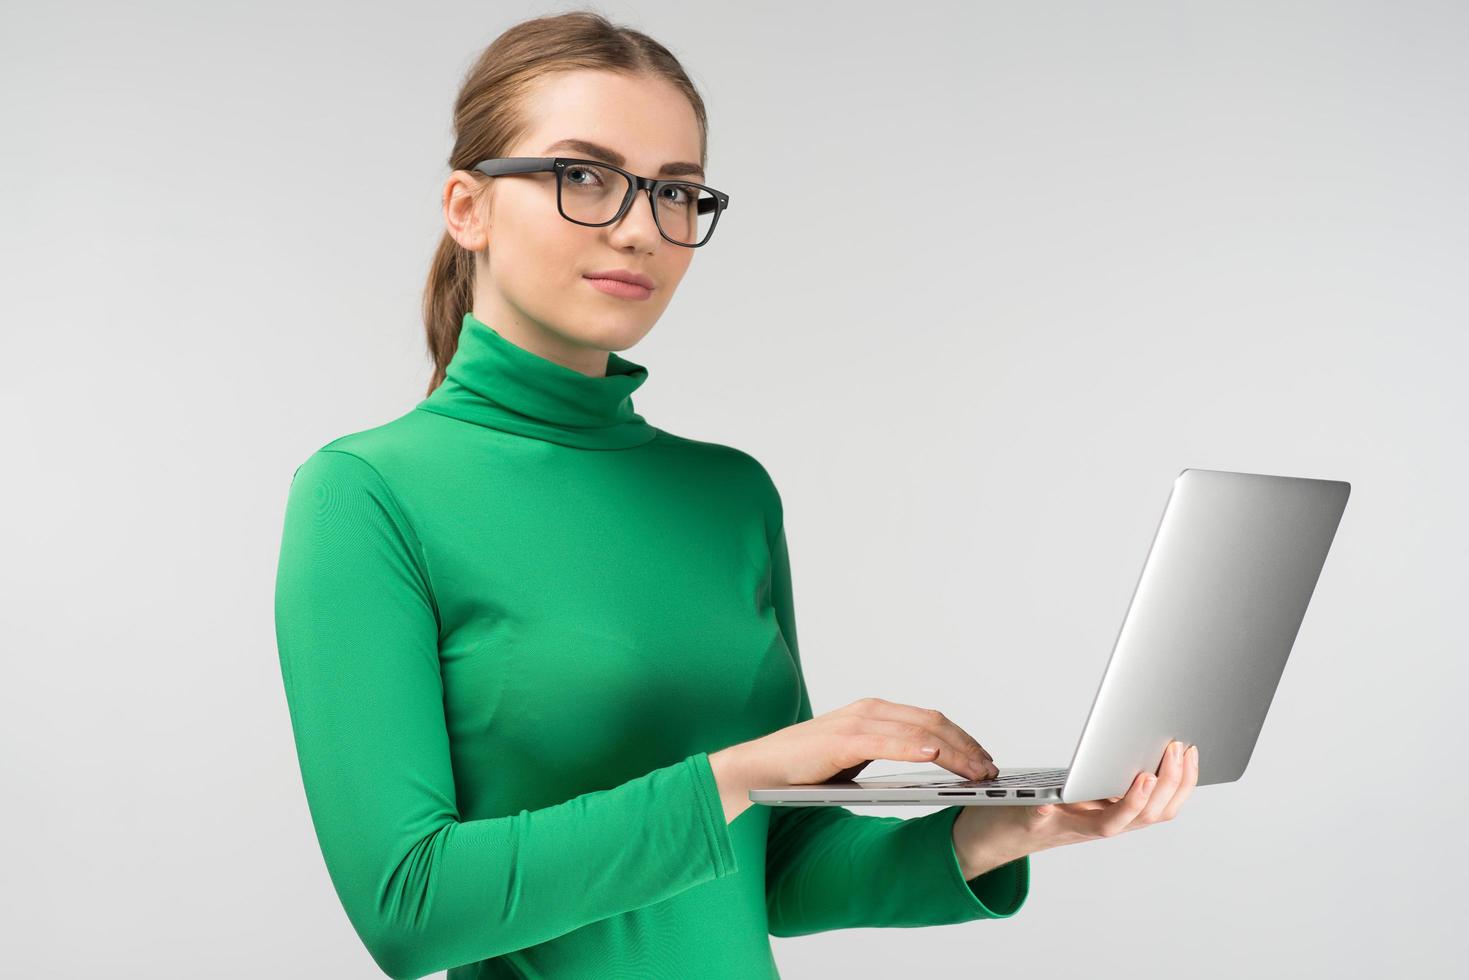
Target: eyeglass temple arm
x=515 y=165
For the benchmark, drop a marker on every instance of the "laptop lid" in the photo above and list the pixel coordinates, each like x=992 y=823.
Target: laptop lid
x=1213 y=617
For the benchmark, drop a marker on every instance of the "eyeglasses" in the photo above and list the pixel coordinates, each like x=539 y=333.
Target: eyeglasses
x=589 y=192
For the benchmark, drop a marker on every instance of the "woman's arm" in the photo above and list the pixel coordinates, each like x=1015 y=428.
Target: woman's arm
x=829 y=868
x=357 y=630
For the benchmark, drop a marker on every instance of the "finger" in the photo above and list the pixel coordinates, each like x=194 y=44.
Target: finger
x=934 y=721
x=950 y=757
x=890 y=743
x=930 y=718
x=958 y=736
x=1170 y=774
x=1190 y=780
x=956 y=755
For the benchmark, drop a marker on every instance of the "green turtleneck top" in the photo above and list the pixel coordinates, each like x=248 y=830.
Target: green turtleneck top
x=512 y=625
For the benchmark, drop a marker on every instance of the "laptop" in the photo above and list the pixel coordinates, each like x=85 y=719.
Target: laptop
x=1202 y=646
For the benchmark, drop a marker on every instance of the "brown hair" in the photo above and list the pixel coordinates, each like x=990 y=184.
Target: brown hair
x=489 y=118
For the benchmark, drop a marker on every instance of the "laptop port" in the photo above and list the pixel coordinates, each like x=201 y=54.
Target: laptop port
x=1025 y=792
x=995 y=792
x=956 y=792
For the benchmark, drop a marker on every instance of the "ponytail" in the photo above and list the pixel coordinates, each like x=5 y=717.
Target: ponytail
x=447 y=297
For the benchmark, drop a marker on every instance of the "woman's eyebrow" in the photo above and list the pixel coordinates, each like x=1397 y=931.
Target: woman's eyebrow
x=617 y=159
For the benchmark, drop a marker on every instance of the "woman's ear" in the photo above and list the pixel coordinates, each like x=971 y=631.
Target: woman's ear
x=466 y=211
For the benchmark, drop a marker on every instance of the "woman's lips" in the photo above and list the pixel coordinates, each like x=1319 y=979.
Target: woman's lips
x=616 y=287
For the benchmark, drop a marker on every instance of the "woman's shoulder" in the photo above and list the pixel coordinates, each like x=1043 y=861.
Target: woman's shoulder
x=392 y=446
x=729 y=463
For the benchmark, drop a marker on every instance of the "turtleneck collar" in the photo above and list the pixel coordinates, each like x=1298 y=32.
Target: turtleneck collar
x=492 y=382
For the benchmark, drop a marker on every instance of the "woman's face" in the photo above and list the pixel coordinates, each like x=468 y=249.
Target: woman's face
x=531 y=264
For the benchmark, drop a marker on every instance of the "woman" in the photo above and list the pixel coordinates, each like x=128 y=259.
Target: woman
x=536 y=651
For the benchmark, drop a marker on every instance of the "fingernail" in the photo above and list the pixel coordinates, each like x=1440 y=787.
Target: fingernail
x=1193 y=750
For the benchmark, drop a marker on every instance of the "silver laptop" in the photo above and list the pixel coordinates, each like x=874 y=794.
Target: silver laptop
x=1214 y=615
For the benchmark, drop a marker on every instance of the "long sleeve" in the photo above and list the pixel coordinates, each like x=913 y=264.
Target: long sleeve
x=357 y=627
x=829 y=868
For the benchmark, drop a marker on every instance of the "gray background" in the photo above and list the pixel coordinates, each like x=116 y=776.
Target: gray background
x=1071 y=249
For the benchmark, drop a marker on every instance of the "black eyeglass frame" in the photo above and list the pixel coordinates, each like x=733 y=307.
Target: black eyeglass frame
x=506 y=166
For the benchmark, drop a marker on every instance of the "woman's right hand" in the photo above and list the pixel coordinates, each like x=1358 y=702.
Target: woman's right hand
x=837 y=745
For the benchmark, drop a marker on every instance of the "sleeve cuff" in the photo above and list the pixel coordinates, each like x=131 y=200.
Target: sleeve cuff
x=998 y=893
x=711 y=812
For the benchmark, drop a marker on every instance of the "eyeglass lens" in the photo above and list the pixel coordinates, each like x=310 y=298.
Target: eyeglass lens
x=685 y=212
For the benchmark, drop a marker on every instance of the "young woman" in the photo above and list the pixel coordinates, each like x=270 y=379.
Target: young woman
x=536 y=650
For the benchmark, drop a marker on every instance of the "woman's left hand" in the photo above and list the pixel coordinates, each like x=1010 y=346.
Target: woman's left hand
x=986 y=837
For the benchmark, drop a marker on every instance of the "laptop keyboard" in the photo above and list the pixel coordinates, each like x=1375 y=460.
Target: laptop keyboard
x=1026 y=777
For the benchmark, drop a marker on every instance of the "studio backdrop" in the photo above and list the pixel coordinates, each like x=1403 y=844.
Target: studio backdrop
x=992 y=275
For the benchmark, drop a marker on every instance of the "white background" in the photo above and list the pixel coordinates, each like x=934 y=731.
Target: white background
x=1063 y=251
